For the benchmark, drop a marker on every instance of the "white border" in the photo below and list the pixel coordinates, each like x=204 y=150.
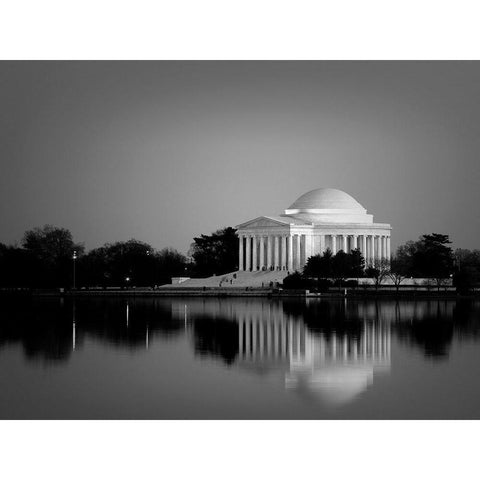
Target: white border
x=261 y=29
x=239 y=450
x=247 y=29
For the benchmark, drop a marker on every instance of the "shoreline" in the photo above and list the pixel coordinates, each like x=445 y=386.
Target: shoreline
x=244 y=292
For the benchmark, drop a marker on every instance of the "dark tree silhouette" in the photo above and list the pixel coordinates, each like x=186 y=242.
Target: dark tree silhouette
x=113 y=264
x=467 y=269
x=379 y=272
x=429 y=257
x=340 y=266
x=320 y=266
x=216 y=253
x=18 y=267
x=433 y=257
x=399 y=270
x=51 y=249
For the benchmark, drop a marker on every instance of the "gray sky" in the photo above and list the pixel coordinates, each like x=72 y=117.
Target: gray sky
x=164 y=151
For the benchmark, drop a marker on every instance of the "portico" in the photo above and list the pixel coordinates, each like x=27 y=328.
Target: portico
x=319 y=220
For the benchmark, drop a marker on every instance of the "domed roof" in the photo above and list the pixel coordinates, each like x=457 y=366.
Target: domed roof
x=326 y=199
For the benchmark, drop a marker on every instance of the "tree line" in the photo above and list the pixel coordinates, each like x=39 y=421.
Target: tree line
x=429 y=257
x=45 y=259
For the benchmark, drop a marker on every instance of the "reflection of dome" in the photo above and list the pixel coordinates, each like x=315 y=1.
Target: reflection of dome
x=326 y=199
x=335 y=385
x=328 y=205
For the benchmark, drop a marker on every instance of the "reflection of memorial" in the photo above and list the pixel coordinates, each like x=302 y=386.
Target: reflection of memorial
x=316 y=346
x=335 y=368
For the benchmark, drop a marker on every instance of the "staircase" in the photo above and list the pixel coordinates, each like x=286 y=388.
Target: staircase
x=243 y=279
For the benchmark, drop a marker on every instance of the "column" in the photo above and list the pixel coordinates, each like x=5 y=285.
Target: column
x=275 y=252
x=355 y=241
x=254 y=255
x=364 y=248
x=388 y=248
x=322 y=244
x=372 y=251
x=290 y=253
x=262 y=252
x=344 y=246
x=284 y=252
x=248 y=258
x=298 y=255
x=308 y=247
x=384 y=248
x=334 y=244
x=240 y=253
x=269 y=252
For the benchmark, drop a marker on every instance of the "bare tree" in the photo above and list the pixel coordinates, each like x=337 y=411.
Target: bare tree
x=399 y=269
x=379 y=272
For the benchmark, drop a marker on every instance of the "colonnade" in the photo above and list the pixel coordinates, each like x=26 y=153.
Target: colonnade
x=290 y=251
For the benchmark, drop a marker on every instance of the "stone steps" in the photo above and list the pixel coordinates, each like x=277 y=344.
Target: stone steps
x=243 y=279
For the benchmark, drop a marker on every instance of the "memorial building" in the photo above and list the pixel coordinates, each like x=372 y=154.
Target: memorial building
x=325 y=218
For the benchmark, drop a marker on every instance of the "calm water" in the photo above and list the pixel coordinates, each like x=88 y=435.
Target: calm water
x=239 y=358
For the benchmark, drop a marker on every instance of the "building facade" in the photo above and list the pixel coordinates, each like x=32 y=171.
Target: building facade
x=321 y=219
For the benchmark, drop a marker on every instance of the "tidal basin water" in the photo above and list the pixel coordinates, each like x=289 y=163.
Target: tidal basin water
x=208 y=358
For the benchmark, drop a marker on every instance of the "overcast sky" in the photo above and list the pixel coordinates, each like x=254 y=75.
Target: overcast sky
x=165 y=151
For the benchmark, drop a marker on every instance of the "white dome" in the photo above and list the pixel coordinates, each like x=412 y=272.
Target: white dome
x=326 y=199
x=328 y=205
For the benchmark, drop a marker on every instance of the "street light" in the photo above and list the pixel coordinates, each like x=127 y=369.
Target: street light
x=152 y=269
x=74 y=258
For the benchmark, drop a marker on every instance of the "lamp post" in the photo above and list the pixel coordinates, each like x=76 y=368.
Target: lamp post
x=151 y=272
x=74 y=258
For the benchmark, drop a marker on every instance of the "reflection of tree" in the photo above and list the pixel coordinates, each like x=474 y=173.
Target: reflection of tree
x=326 y=317
x=44 y=327
x=433 y=334
x=217 y=337
x=431 y=329
x=434 y=331
x=107 y=319
x=466 y=317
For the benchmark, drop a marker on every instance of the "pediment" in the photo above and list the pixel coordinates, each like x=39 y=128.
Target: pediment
x=262 y=222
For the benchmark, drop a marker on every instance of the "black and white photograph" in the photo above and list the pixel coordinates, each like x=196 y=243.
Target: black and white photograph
x=216 y=239
x=240 y=240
